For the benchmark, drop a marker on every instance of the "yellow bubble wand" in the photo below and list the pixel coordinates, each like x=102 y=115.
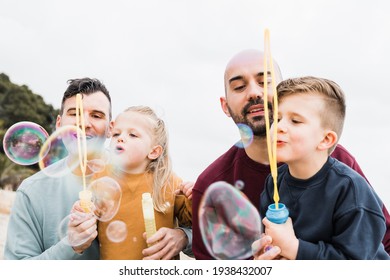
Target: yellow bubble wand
x=84 y=195
x=271 y=146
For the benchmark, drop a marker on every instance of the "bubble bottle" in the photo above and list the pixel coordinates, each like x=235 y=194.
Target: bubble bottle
x=148 y=212
x=277 y=213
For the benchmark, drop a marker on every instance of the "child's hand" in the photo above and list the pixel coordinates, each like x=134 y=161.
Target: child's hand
x=283 y=236
x=186 y=189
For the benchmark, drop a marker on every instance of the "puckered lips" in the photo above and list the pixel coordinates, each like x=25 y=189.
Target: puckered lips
x=280 y=142
x=119 y=149
x=256 y=110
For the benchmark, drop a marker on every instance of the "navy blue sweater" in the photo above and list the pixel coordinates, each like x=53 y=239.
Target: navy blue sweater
x=333 y=216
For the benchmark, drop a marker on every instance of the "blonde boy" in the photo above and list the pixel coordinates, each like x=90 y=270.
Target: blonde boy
x=334 y=213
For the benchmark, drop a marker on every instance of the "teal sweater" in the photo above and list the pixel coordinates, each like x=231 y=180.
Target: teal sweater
x=41 y=203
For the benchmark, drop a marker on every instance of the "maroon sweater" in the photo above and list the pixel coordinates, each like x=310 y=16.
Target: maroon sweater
x=236 y=165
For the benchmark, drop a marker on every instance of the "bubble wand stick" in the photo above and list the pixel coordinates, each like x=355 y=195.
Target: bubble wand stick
x=276 y=213
x=271 y=146
x=84 y=195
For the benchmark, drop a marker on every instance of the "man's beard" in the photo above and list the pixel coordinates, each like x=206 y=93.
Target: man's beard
x=257 y=124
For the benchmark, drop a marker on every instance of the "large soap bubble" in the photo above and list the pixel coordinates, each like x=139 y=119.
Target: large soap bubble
x=23 y=141
x=228 y=222
x=56 y=148
x=106 y=198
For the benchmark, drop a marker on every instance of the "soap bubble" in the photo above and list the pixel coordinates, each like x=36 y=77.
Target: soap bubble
x=116 y=231
x=239 y=185
x=56 y=148
x=106 y=198
x=99 y=162
x=23 y=141
x=228 y=222
x=246 y=135
x=64 y=141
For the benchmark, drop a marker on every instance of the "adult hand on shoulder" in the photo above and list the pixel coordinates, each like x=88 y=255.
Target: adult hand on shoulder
x=186 y=189
x=166 y=243
x=82 y=229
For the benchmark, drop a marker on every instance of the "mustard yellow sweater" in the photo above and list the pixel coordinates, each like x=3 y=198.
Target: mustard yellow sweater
x=130 y=212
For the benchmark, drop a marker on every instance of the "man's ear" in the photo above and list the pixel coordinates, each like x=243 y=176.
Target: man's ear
x=224 y=106
x=155 y=152
x=58 y=121
x=328 y=141
x=110 y=128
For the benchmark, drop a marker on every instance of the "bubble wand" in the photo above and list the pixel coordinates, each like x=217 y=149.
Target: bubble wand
x=84 y=195
x=277 y=212
x=271 y=146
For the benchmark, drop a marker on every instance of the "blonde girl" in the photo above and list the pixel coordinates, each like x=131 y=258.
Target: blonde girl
x=141 y=163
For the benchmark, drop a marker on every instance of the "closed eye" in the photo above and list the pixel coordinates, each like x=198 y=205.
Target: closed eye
x=239 y=88
x=295 y=121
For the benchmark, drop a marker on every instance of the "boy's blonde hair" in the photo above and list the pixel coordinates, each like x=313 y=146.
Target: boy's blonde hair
x=161 y=167
x=333 y=112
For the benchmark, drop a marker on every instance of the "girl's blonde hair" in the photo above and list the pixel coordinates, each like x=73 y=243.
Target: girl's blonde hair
x=161 y=167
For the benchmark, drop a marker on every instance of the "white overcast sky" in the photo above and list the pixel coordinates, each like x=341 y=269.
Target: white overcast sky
x=171 y=55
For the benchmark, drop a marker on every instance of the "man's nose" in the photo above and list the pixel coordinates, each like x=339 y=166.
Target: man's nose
x=87 y=120
x=255 y=91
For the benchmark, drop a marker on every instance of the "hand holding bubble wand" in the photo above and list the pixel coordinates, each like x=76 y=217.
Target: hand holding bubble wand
x=277 y=212
x=84 y=195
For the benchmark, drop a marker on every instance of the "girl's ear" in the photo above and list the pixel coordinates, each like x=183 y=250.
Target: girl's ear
x=155 y=152
x=328 y=141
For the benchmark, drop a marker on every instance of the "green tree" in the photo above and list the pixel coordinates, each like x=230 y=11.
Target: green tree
x=19 y=103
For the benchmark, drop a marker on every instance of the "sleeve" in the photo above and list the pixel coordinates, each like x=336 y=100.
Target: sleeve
x=198 y=247
x=341 y=154
x=188 y=249
x=25 y=235
x=357 y=208
x=183 y=213
x=350 y=241
x=183 y=210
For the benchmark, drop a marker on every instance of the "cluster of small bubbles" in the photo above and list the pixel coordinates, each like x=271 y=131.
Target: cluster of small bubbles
x=22 y=142
x=228 y=222
x=246 y=135
x=106 y=198
x=116 y=231
x=239 y=185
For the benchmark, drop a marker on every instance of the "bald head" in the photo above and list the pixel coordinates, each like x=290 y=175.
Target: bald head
x=248 y=62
